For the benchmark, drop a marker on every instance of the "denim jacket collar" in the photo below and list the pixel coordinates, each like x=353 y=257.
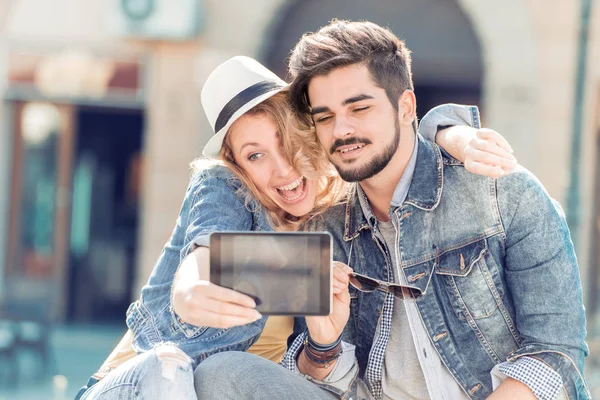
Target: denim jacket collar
x=425 y=189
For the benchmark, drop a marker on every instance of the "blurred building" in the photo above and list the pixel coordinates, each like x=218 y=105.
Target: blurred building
x=100 y=117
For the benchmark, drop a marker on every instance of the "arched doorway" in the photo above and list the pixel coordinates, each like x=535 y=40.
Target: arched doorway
x=447 y=62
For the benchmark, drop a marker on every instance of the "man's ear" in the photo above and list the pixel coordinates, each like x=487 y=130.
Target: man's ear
x=407 y=107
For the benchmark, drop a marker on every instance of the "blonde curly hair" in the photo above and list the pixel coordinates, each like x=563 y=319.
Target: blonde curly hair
x=302 y=149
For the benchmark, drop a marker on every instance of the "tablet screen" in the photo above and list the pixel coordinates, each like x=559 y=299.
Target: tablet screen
x=286 y=273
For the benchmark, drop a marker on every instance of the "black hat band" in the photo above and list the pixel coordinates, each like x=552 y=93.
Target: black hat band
x=243 y=98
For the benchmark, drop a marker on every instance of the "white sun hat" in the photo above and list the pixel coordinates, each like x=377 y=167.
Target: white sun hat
x=232 y=89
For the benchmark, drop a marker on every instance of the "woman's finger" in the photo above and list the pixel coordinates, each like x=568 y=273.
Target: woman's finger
x=228 y=295
x=221 y=321
x=211 y=305
x=491 y=171
x=489 y=147
x=492 y=135
x=490 y=159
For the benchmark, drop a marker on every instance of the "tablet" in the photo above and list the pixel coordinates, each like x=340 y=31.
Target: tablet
x=286 y=273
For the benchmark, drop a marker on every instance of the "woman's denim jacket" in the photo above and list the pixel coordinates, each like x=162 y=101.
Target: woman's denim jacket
x=496 y=263
x=214 y=201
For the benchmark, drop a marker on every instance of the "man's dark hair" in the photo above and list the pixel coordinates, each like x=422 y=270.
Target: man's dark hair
x=343 y=43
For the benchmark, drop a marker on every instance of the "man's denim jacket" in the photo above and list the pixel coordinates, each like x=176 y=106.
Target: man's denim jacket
x=495 y=262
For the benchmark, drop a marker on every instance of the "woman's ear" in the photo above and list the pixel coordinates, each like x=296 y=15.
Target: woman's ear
x=407 y=107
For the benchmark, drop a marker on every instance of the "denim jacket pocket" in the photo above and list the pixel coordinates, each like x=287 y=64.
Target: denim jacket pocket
x=136 y=315
x=180 y=327
x=139 y=321
x=470 y=281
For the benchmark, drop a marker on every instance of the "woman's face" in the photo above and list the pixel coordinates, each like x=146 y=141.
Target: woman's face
x=257 y=150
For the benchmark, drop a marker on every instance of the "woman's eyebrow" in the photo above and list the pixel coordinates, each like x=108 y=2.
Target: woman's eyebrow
x=249 y=144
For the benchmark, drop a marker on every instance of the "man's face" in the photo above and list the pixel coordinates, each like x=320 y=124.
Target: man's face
x=355 y=121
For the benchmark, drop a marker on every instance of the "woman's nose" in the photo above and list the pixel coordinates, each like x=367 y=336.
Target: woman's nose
x=283 y=167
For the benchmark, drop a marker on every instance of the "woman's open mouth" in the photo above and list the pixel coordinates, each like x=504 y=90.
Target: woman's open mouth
x=294 y=191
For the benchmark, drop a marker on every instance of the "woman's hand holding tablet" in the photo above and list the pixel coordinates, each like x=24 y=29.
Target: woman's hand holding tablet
x=199 y=302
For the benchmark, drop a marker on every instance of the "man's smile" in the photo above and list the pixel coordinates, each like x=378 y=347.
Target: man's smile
x=350 y=152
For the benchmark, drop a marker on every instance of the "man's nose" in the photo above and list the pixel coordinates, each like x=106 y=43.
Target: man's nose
x=342 y=128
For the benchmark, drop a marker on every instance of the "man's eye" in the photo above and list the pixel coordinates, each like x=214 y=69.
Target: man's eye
x=322 y=119
x=361 y=109
x=255 y=156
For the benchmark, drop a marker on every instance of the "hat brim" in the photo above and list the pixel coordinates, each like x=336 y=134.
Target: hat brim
x=213 y=146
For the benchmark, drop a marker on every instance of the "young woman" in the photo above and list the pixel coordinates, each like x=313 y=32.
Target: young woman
x=273 y=175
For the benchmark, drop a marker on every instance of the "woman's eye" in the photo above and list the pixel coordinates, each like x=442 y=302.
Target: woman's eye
x=255 y=156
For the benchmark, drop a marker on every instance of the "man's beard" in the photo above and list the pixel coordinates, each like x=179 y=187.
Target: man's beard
x=373 y=167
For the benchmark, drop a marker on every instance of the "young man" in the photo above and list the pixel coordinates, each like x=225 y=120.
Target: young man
x=491 y=305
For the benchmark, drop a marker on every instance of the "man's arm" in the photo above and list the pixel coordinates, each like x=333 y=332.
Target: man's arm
x=452 y=121
x=512 y=389
x=328 y=329
x=307 y=367
x=340 y=372
x=340 y=375
x=543 y=277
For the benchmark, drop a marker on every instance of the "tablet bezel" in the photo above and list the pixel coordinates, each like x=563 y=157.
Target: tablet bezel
x=326 y=270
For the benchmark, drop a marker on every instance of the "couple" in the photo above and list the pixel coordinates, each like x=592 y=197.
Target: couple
x=499 y=311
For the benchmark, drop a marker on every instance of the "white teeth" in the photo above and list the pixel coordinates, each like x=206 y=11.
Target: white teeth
x=292 y=185
x=352 y=148
x=291 y=198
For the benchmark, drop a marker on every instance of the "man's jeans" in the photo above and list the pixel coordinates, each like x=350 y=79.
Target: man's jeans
x=238 y=375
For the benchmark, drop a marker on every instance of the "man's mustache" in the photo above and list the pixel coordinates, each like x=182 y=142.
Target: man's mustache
x=353 y=140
